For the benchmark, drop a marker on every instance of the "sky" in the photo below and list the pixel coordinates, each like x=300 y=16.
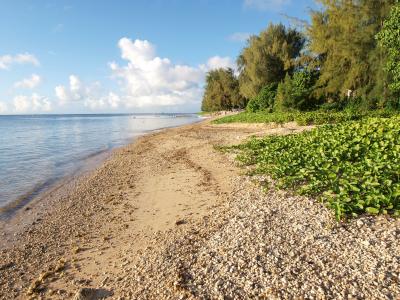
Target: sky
x=133 y=56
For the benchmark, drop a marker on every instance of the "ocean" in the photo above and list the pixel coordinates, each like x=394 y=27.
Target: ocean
x=38 y=150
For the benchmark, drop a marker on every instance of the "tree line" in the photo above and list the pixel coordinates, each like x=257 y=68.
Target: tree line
x=347 y=57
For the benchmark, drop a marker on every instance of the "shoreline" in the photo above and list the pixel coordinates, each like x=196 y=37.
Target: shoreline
x=17 y=217
x=86 y=165
x=168 y=216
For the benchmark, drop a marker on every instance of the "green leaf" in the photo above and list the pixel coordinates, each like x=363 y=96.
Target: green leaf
x=372 y=210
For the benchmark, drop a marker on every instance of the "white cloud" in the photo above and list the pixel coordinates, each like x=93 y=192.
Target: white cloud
x=21 y=103
x=98 y=103
x=239 y=36
x=113 y=100
x=266 y=4
x=92 y=95
x=7 y=60
x=29 y=83
x=149 y=80
x=40 y=103
x=33 y=103
x=74 y=92
x=75 y=84
x=61 y=93
x=217 y=62
x=138 y=51
x=3 y=108
x=146 y=81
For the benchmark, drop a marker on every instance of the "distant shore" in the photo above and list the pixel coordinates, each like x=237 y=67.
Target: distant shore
x=168 y=216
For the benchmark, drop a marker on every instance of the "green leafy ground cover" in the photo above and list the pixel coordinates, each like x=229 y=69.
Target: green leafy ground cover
x=354 y=166
x=303 y=118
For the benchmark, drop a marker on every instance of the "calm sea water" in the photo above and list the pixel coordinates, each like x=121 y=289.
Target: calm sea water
x=37 y=150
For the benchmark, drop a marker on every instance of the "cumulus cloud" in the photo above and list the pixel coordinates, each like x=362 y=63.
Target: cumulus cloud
x=239 y=37
x=26 y=58
x=100 y=103
x=217 y=62
x=33 y=103
x=74 y=92
x=91 y=95
x=29 y=83
x=146 y=80
x=149 y=80
x=266 y=4
x=3 y=108
x=113 y=100
x=22 y=103
x=61 y=93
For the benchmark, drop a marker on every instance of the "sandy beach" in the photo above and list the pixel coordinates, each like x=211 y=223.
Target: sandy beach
x=171 y=217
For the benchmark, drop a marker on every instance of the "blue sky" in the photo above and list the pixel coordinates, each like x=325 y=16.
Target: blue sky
x=123 y=56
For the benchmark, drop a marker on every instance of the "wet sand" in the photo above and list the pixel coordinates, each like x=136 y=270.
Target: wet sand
x=138 y=226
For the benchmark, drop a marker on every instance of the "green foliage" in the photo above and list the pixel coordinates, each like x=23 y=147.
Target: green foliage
x=358 y=104
x=389 y=39
x=267 y=57
x=342 y=35
x=296 y=92
x=354 y=166
x=264 y=101
x=258 y=117
x=304 y=118
x=222 y=91
x=393 y=103
x=349 y=43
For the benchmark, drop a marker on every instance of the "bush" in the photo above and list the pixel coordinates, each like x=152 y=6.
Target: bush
x=354 y=166
x=360 y=104
x=296 y=93
x=305 y=118
x=393 y=103
x=264 y=101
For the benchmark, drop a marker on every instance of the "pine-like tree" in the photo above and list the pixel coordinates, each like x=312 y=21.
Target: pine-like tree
x=267 y=58
x=222 y=91
x=342 y=35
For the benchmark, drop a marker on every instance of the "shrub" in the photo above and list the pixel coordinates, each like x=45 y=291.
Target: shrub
x=296 y=93
x=360 y=104
x=305 y=118
x=393 y=103
x=354 y=166
x=264 y=101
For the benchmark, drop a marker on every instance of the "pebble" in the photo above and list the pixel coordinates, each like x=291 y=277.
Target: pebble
x=273 y=244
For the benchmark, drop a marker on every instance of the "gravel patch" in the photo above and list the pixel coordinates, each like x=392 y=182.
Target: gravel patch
x=270 y=245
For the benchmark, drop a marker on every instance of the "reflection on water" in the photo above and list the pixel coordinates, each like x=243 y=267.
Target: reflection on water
x=39 y=149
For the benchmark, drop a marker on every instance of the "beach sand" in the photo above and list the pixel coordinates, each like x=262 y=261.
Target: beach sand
x=170 y=217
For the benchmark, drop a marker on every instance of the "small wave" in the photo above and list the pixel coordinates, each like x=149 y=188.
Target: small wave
x=10 y=208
